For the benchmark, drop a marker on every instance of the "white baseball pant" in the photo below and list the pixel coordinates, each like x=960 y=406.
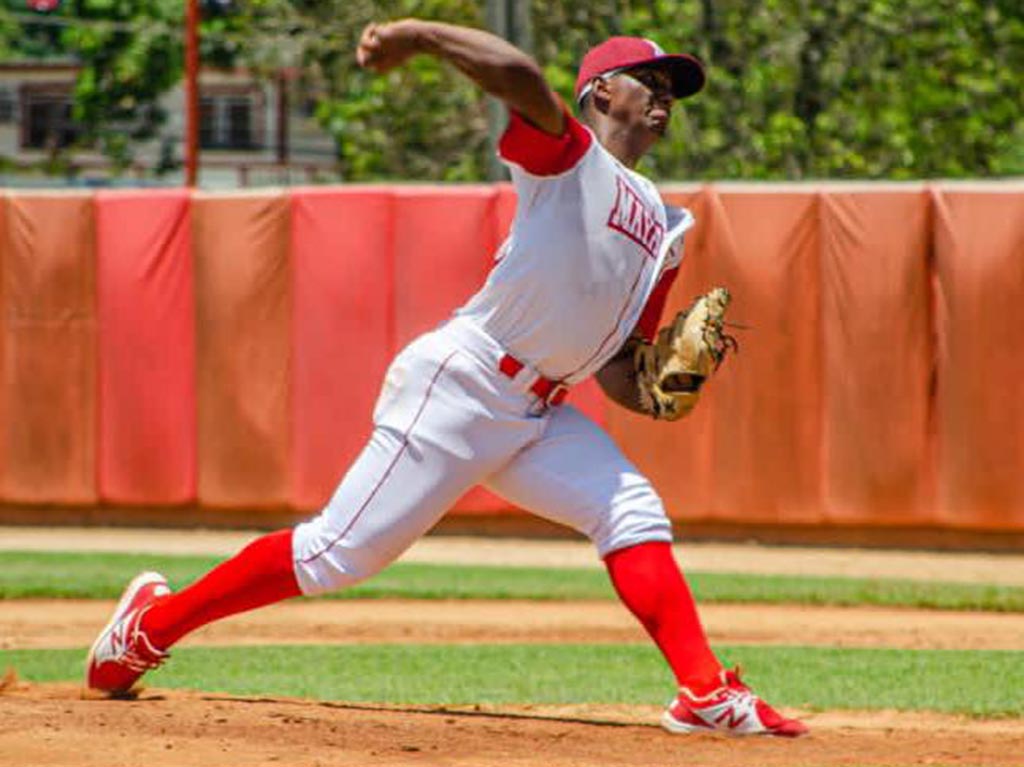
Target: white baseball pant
x=447 y=419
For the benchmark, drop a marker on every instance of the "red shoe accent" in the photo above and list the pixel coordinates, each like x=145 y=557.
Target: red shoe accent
x=122 y=652
x=732 y=709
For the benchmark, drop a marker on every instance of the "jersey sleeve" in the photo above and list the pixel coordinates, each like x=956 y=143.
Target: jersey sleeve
x=541 y=153
x=647 y=325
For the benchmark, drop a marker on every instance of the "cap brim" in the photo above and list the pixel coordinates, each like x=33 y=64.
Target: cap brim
x=686 y=71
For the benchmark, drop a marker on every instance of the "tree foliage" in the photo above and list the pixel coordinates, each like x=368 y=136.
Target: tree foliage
x=797 y=88
x=132 y=55
x=851 y=88
x=421 y=121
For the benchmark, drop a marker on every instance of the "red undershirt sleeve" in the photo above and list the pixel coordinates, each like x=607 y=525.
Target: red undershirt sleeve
x=540 y=153
x=647 y=325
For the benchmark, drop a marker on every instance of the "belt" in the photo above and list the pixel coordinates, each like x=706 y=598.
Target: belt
x=549 y=392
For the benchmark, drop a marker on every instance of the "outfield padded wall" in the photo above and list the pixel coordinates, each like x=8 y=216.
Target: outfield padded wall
x=164 y=348
x=243 y=280
x=49 y=388
x=878 y=357
x=343 y=333
x=979 y=401
x=147 y=357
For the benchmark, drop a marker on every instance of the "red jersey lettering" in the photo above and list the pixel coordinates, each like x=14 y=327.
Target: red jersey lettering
x=630 y=216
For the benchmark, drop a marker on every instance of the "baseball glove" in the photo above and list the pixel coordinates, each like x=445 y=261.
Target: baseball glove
x=671 y=370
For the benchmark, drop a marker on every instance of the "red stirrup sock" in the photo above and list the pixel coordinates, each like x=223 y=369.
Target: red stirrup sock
x=650 y=584
x=260 y=574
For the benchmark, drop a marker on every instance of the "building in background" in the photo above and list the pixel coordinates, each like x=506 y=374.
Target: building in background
x=251 y=133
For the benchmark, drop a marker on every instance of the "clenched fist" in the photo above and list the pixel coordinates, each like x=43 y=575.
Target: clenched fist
x=382 y=47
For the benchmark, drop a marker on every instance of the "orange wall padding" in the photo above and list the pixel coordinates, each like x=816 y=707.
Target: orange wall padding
x=49 y=374
x=147 y=357
x=444 y=239
x=879 y=351
x=165 y=347
x=677 y=462
x=979 y=253
x=755 y=441
x=243 y=285
x=764 y=246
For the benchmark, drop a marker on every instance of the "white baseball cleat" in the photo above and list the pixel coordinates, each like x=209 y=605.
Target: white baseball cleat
x=732 y=709
x=122 y=653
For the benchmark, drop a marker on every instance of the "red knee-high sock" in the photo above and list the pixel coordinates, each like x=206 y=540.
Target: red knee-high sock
x=650 y=584
x=260 y=574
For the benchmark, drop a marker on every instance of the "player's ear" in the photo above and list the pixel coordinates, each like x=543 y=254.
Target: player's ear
x=601 y=95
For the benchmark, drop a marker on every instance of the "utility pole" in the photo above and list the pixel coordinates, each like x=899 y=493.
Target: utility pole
x=509 y=19
x=283 y=154
x=191 y=92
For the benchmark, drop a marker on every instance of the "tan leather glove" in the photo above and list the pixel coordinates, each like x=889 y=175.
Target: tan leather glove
x=671 y=371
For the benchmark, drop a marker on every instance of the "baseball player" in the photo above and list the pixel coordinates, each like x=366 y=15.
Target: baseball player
x=577 y=290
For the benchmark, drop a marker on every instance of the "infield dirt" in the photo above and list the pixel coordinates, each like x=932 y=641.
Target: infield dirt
x=53 y=724
x=49 y=725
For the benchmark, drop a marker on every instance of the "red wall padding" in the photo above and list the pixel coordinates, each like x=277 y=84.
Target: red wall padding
x=160 y=347
x=343 y=332
x=147 y=359
x=444 y=240
x=48 y=388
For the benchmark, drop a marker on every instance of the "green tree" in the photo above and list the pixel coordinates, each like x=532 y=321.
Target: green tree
x=131 y=54
x=845 y=88
x=27 y=35
x=797 y=88
x=10 y=33
x=422 y=121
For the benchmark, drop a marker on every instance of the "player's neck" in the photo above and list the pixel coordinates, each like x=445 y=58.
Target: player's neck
x=625 y=145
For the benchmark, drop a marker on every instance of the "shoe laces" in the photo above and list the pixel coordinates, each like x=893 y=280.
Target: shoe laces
x=741 y=697
x=738 y=692
x=139 y=653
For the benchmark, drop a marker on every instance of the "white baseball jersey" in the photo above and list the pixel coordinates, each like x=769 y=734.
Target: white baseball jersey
x=591 y=246
x=588 y=243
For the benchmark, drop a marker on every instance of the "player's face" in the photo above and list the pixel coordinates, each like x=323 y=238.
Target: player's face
x=644 y=96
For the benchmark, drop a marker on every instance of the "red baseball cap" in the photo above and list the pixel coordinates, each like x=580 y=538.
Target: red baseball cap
x=618 y=53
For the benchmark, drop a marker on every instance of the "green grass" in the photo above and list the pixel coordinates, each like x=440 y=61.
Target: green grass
x=989 y=683
x=103 y=576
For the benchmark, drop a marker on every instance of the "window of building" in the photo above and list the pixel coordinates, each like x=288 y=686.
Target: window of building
x=230 y=119
x=46 y=117
x=8 y=106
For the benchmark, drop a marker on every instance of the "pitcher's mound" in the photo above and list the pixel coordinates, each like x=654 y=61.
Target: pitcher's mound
x=53 y=724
